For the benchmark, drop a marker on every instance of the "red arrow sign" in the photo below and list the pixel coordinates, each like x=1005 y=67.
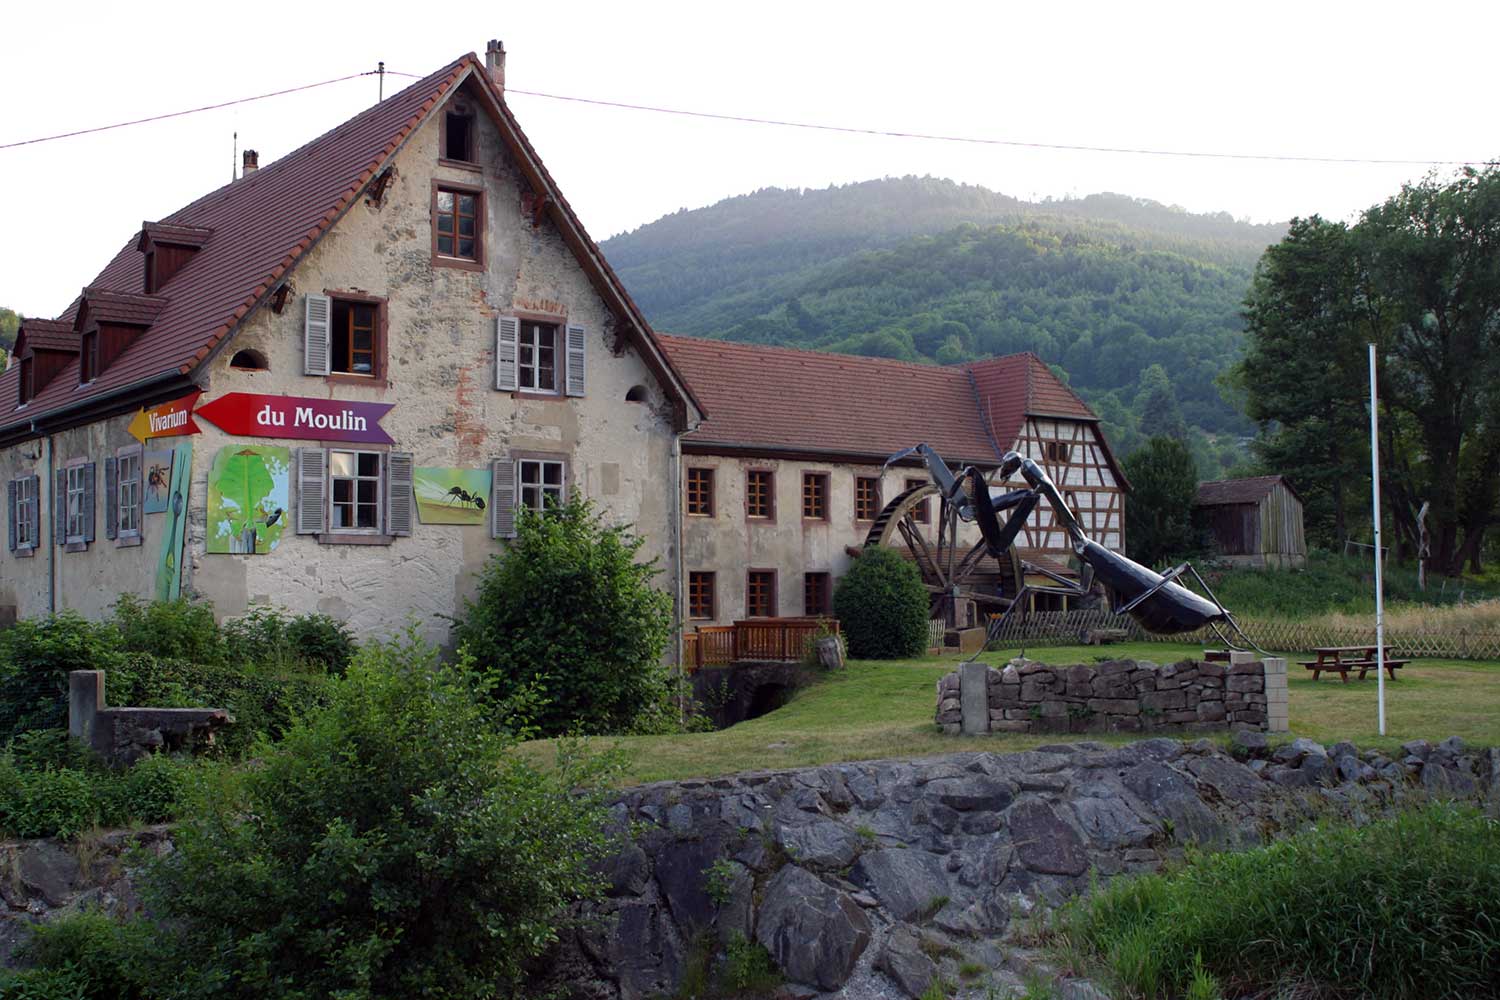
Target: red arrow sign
x=250 y=414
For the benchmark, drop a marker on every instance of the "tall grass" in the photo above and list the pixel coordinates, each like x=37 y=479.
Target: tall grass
x=1331 y=583
x=1402 y=909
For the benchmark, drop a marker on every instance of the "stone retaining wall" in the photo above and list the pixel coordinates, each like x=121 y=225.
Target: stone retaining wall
x=1115 y=696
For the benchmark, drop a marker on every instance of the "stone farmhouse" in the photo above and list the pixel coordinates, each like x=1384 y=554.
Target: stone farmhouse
x=783 y=481
x=400 y=332
x=330 y=385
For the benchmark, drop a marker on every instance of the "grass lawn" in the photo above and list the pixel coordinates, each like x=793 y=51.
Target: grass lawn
x=884 y=709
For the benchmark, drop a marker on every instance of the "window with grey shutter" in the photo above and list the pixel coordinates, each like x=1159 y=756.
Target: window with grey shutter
x=33 y=512
x=576 y=371
x=60 y=507
x=317 y=321
x=88 y=502
x=502 y=498
x=10 y=505
x=507 y=335
x=312 y=489
x=111 y=497
x=398 y=503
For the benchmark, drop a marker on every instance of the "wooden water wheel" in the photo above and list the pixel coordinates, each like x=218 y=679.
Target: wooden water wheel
x=964 y=581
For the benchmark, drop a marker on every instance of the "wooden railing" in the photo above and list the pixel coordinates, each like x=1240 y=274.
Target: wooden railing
x=753 y=639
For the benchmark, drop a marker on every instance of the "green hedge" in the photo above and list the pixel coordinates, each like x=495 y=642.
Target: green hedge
x=64 y=801
x=882 y=606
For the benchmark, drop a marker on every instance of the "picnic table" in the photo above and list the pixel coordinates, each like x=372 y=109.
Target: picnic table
x=1342 y=659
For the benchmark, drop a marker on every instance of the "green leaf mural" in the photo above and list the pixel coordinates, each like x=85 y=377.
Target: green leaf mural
x=248 y=496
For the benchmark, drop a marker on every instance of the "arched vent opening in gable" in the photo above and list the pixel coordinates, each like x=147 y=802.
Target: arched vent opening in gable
x=637 y=394
x=249 y=361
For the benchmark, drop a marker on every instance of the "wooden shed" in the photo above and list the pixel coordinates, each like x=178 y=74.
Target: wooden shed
x=1253 y=522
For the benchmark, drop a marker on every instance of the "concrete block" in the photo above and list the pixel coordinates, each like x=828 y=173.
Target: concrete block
x=973 y=684
x=85 y=699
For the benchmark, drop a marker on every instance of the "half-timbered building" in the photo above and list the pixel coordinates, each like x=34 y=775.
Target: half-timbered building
x=785 y=480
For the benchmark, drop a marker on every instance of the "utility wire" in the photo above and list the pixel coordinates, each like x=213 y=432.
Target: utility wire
x=978 y=140
x=189 y=111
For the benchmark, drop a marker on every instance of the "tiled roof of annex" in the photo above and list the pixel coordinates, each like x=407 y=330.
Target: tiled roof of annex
x=791 y=400
x=1251 y=489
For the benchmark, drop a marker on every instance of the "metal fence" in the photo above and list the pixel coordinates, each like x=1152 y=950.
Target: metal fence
x=1067 y=628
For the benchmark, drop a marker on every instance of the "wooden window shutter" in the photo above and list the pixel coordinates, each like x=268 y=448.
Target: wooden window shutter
x=60 y=507
x=502 y=498
x=111 y=497
x=10 y=505
x=312 y=489
x=36 y=512
x=507 y=336
x=576 y=372
x=88 y=502
x=398 y=500
x=317 y=321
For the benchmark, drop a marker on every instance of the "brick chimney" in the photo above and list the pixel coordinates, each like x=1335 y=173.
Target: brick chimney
x=251 y=163
x=494 y=60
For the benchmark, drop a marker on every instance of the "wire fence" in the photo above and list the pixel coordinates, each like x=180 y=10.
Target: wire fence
x=1067 y=628
x=31 y=700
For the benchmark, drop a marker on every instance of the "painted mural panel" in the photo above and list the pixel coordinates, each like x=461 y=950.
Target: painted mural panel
x=248 y=497
x=174 y=529
x=158 y=465
x=451 y=496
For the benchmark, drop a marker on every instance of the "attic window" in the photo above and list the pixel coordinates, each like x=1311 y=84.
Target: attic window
x=88 y=358
x=251 y=361
x=458 y=135
x=150 y=284
x=27 y=380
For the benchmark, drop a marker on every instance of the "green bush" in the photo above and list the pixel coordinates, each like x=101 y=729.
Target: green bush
x=64 y=801
x=1403 y=908
x=264 y=700
x=565 y=614
x=35 y=657
x=882 y=606
x=391 y=845
x=270 y=637
x=87 y=956
x=179 y=629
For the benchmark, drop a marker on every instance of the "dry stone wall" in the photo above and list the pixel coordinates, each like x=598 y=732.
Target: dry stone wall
x=1115 y=696
x=872 y=879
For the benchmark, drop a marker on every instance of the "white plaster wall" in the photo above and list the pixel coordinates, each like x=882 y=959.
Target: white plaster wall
x=447 y=411
x=87 y=581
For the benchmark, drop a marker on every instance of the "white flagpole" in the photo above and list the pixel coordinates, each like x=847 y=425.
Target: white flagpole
x=1379 y=588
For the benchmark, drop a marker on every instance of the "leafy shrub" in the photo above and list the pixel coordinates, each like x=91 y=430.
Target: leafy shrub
x=567 y=612
x=1159 y=518
x=882 y=606
x=64 y=801
x=1402 y=909
x=263 y=700
x=86 y=956
x=179 y=629
x=268 y=636
x=35 y=657
x=391 y=845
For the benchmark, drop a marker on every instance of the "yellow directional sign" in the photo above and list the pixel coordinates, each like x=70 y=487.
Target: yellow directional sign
x=166 y=419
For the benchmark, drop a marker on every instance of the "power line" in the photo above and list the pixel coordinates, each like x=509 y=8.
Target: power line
x=979 y=140
x=189 y=111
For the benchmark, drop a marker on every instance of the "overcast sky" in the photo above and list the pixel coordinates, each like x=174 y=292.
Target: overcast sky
x=1311 y=78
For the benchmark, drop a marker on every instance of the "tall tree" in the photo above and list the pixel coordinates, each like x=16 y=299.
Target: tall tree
x=1300 y=375
x=1419 y=276
x=10 y=322
x=1158 y=518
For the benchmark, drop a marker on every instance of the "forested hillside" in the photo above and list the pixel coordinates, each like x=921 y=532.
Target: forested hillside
x=1137 y=302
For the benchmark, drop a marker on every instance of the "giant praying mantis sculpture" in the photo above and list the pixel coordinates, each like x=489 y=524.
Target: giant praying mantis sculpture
x=1156 y=600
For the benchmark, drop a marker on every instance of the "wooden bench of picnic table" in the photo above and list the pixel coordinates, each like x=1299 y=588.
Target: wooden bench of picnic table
x=1342 y=659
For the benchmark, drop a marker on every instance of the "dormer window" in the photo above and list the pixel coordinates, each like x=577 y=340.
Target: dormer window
x=88 y=358
x=27 y=379
x=150 y=285
x=458 y=134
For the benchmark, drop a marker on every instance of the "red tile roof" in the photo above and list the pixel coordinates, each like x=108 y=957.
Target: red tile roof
x=46 y=335
x=1252 y=489
x=256 y=229
x=179 y=236
x=107 y=306
x=784 y=399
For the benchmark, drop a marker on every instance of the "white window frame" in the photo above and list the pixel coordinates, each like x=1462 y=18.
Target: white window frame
x=77 y=492
x=128 y=511
x=28 y=523
x=528 y=339
x=380 y=499
x=539 y=485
